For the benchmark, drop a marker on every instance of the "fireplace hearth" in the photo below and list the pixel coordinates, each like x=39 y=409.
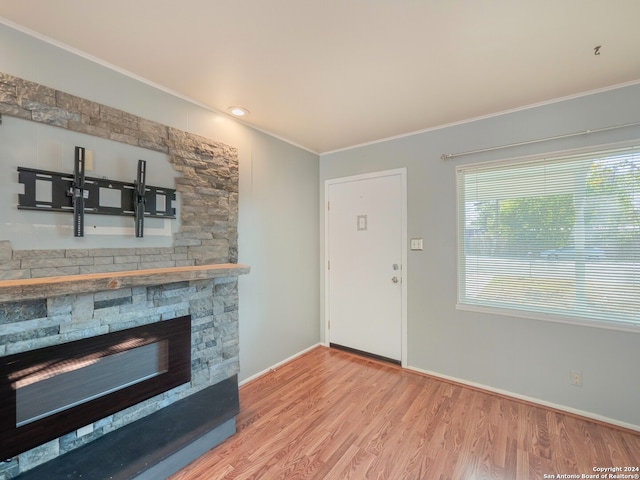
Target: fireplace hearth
x=51 y=391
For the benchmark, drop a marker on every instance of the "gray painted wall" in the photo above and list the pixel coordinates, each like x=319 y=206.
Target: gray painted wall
x=523 y=356
x=278 y=219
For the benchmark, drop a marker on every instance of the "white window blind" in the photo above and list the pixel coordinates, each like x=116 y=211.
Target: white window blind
x=556 y=236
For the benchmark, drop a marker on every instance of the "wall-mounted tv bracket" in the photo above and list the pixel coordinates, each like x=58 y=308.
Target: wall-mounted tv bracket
x=74 y=193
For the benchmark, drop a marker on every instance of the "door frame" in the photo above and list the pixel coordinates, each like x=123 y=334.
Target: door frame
x=402 y=172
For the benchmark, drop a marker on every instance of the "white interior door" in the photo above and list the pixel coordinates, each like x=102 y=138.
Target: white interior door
x=365 y=242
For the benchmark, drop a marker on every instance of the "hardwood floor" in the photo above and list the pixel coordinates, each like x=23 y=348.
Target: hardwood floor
x=333 y=415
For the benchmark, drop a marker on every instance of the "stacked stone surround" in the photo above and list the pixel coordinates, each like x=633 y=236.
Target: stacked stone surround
x=212 y=304
x=207 y=183
x=47 y=263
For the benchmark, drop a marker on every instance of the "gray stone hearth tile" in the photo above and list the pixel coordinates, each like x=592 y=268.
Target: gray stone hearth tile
x=21 y=311
x=20 y=254
x=112 y=302
x=60 y=305
x=39 y=455
x=5 y=251
x=14 y=274
x=111 y=294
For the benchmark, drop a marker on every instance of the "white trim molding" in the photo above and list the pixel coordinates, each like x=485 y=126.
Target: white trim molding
x=525 y=398
x=275 y=366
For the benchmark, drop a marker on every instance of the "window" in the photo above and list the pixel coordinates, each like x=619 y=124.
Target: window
x=554 y=237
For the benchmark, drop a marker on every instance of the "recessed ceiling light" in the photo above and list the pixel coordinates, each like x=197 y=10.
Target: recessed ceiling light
x=238 y=111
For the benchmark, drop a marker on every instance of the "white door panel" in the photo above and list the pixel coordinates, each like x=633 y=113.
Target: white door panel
x=365 y=240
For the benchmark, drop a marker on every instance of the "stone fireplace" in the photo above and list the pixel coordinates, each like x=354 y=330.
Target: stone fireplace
x=51 y=299
x=54 y=323
x=51 y=391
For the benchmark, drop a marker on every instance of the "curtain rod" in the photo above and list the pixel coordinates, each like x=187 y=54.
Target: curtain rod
x=447 y=156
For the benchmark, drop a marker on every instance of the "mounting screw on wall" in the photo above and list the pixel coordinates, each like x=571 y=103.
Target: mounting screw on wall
x=576 y=378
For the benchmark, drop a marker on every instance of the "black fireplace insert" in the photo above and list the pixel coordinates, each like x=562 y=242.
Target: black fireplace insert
x=54 y=390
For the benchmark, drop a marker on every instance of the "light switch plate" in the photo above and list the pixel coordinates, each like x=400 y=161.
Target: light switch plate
x=416 y=244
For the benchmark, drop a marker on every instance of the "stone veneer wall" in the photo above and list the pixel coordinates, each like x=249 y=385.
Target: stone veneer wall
x=207 y=183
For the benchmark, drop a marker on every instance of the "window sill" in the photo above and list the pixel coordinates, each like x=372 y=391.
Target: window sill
x=548 y=317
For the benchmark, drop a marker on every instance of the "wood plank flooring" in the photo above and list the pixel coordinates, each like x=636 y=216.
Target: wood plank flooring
x=333 y=415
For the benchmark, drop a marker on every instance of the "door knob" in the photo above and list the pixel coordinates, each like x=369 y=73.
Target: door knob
x=395 y=280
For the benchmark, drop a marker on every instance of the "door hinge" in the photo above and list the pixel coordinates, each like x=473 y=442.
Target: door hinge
x=329 y=265
x=328 y=205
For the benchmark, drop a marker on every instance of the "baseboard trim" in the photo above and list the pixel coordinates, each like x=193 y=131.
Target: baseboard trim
x=534 y=401
x=277 y=365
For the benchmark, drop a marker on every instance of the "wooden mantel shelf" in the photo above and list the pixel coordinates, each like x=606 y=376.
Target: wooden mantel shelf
x=33 y=288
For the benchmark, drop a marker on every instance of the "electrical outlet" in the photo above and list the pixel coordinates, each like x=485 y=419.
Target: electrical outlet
x=576 y=378
x=416 y=244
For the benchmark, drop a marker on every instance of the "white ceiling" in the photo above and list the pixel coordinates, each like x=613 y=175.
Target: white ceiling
x=329 y=74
